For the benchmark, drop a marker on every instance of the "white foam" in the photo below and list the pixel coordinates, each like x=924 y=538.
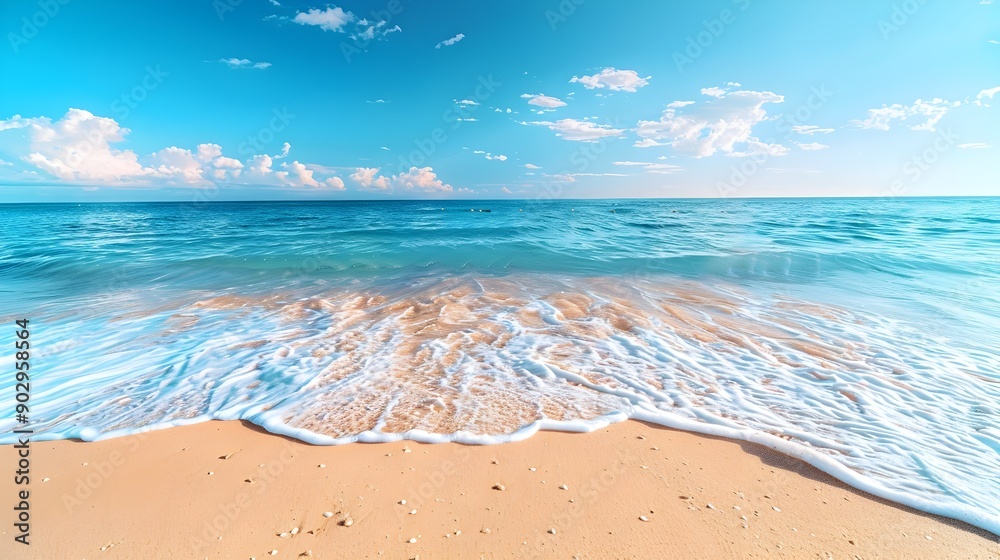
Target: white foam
x=872 y=401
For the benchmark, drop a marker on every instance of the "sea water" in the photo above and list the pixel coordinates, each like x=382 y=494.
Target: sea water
x=860 y=335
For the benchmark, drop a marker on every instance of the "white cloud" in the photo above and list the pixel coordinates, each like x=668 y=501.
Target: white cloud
x=810 y=129
x=5 y=163
x=284 y=151
x=505 y=190
x=330 y=19
x=929 y=111
x=366 y=177
x=422 y=178
x=531 y=166
x=993 y=42
x=613 y=79
x=497 y=157
x=679 y=104
x=335 y=183
x=235 y=63
x=580 y=131
x=717 y=125
x=811 y=146
x=80 y=148
x=650 y=167
x=450 y=42
x=714 y=92
x=545 y=101
x=974 y=146
x=986 y=94
x=468 y=102
x=304 y=175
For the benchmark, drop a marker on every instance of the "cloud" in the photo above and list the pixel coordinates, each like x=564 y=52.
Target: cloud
x=330 y=19
x=679 y=104
x=811 y=146
x=236 y=63
x=717 y=125
x=531 y=166
x=930 y=112
x=974 y=146
x=545 y=101
x=468 y=102
x=505 y=190
x=579 y=131
x=366 y=177
x=615 y=80
x=650 y=167
x=810 y=129
x=79 y=148
x=714 y=92
x=422 y=178
x=986 y=94
x=993 y=42
x=450 y=42
x=497 y=157
x=335 y=183
x=304 y=175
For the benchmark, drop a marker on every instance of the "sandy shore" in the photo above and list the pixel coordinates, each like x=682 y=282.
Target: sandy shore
x=229 y=490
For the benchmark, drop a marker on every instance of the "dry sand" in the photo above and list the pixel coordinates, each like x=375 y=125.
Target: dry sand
x=631 y=491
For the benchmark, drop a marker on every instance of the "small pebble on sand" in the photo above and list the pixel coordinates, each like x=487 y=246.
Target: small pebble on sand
x=563 y=487
x=532 y=469
x=485 y=530
x=402 y=502
x=294 y=531
x=328 y=514
x=776 y=509
x=499 y=487
x=552 y=531
x=413 y=512
x=322 y=466
x=643 y=518
x=413 y=540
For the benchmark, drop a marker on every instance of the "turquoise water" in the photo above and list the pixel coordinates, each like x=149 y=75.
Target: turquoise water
x=857 y=334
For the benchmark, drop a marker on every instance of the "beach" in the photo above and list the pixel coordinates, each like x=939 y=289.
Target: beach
x=631 y=490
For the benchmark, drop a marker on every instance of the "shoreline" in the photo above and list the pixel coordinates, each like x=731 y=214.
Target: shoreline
x=229 y=489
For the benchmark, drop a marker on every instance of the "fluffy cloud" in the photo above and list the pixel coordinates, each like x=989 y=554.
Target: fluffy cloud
x=986 y=94
x=545 y=101
x=329 y=19
x=420 y=178
x=80 y=148
x=531 y=166
x=579 y=131
x=717 y=125
x=450 y=42
x=417 y=178
x=244 y=63
x=366 y=177
x=615 y=80
x=930 y=112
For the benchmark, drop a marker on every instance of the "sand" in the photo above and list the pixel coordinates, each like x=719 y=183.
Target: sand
x=632 y=490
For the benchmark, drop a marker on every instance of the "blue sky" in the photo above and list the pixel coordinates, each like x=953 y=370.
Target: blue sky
x=262 y=99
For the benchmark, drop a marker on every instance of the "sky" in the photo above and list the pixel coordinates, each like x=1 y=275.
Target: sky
x=398 y=99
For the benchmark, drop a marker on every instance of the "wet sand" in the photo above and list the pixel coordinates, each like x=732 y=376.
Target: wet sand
x=632 y=490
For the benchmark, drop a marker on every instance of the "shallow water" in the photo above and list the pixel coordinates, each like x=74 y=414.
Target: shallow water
x=857 y=334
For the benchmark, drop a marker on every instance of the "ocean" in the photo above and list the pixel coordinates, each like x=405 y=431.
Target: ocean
x=860 y=335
